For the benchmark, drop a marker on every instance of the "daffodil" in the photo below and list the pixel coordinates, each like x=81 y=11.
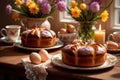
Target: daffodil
x=30 y=2
x=104 y=15
x=75 y=12
x=15 y=16
x=73 y=4
x=34 y=9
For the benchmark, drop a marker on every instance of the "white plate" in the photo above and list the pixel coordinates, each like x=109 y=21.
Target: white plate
x=58 y=45
x=113 y=50
x=111 y=60
x=4 y=39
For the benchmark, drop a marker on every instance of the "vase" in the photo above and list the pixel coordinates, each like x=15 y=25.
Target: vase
x=32 y=22
x=86 y=31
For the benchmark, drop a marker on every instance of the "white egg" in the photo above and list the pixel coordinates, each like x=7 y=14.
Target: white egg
x=44 y=55
x=35 y=58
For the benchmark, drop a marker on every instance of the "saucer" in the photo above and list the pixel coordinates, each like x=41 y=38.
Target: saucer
x=4 y=39
x=58 y=45
x=110 y=62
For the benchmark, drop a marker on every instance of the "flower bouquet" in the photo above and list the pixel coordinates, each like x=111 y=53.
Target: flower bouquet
x=86 y=13
x=35 y=8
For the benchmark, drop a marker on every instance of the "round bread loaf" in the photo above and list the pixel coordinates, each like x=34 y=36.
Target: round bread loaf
x=38 y=37
x=84 y=54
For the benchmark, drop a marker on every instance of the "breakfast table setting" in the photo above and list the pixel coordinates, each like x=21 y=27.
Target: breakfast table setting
x=14 y=62
x=73 y=52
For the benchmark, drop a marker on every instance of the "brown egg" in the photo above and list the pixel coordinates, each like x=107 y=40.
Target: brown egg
x=35 y=58
x=63 y=31
x=71 y=28
x=44 y=55
x=112 y=45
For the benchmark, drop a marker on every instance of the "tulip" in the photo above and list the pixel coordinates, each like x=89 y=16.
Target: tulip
x=45 y=8
x=61 y=6
x=83 y=6
x=73 y=4
x=95 y=7
x=8 y=9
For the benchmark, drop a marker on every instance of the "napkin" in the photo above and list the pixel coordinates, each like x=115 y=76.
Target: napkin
x=35 y=72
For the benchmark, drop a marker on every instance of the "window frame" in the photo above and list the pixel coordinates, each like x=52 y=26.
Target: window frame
x=115 y=16
x=65 y=17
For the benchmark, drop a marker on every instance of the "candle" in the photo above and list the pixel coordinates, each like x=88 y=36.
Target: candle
x=99 y=36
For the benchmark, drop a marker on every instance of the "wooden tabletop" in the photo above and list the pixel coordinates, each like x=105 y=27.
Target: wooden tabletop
x=10 y=64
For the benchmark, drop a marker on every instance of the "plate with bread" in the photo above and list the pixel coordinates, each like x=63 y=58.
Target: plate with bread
x=57 y=45
x=84 y=56
x=110 y=62
x=112 y=46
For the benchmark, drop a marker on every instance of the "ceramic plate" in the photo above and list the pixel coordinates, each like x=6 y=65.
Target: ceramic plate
x=113 y=50
x=111 y=60
x=4 y=39
x=58 y=45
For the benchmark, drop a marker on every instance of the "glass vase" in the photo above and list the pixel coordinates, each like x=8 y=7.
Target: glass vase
x=86 y=31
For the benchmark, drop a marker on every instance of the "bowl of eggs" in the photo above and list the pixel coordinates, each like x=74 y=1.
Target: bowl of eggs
x=68 y=34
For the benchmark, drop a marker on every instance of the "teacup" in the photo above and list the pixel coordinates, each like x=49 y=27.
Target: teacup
x=11 y=32
x=115 y=36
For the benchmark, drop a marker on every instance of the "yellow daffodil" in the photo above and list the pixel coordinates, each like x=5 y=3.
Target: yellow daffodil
x=83 y=6
x=76 y=12
x=30 y=2
x=73 y=3
x=18 y=2
x=104 y=16
x=34 y=9
x=15 y=16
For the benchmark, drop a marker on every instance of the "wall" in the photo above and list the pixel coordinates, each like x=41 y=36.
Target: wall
x=56 y=24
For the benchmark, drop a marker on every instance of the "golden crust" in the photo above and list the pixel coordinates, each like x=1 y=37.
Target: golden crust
x=84 y=55
x=38 y=37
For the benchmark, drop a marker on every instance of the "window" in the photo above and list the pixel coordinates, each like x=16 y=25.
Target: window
x=65 y=17
x=117 y=14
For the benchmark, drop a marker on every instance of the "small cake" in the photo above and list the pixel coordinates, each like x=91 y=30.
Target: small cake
x=38 y=37
x=84 y=54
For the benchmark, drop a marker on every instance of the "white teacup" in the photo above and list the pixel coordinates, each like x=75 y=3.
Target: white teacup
x=115 y=36
x=11 y=32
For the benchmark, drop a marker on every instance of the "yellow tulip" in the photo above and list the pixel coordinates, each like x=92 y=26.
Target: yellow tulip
x=83 y=6
x=76 y=12
x=104 y=16
x=73 y=3
x=30 y=2
x=18 y=2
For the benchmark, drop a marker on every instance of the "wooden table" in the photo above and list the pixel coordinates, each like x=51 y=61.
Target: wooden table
x=11 y=67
